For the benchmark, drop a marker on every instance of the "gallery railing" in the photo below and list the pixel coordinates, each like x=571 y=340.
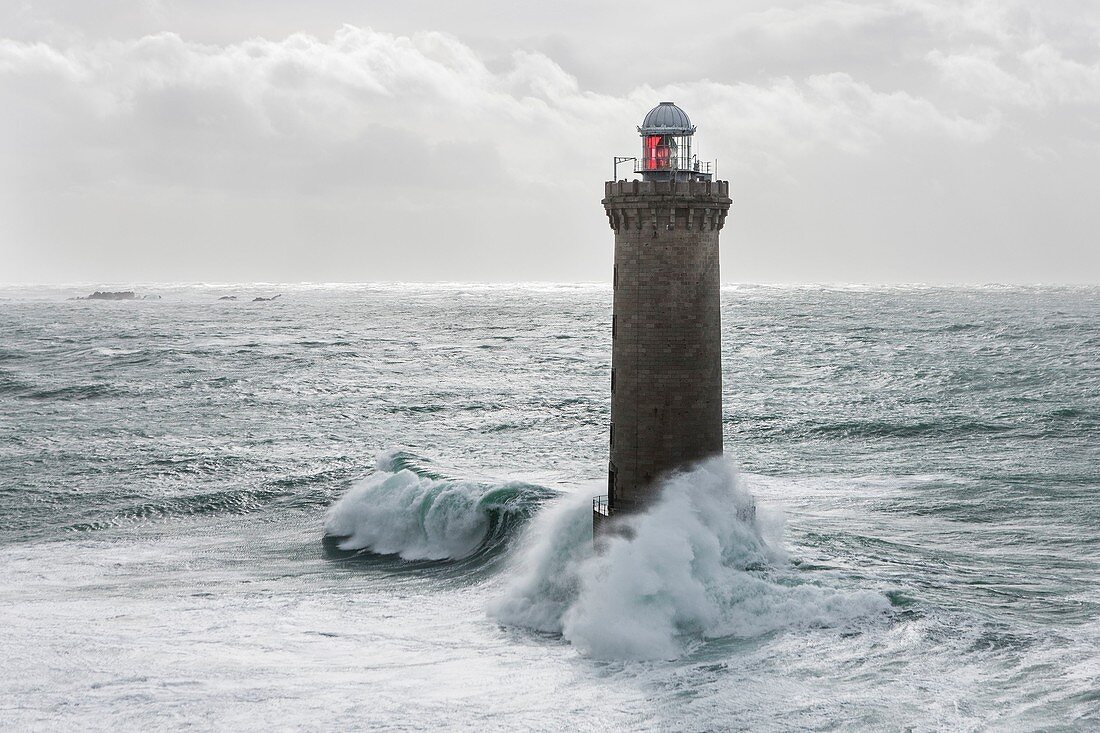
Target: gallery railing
x=693 y=164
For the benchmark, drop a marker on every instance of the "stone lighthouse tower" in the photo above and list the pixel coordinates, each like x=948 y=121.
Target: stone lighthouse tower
x=666 y=362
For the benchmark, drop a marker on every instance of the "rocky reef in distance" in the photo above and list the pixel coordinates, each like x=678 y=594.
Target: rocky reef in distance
x=131 y=295
x=111 y=295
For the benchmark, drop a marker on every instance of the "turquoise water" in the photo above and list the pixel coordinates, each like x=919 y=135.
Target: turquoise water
x=924 y=461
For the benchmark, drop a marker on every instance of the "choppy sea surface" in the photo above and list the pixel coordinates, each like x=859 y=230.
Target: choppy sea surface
x=367 y=507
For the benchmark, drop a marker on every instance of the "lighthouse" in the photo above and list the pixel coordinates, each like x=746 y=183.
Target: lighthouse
x=666 y=352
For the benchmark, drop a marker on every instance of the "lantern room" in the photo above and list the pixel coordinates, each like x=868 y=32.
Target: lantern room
x=666 y=147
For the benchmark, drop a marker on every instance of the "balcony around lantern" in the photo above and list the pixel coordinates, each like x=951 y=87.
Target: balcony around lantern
x=656 y=164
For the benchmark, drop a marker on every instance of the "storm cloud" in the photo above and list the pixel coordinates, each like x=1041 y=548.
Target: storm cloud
x=900 y=141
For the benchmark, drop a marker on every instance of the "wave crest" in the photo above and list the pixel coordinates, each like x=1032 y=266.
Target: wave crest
x=406 y=510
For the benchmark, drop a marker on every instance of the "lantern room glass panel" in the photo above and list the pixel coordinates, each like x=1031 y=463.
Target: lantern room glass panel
x=666 y=152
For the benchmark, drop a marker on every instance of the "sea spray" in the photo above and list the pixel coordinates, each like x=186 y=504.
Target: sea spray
x=556 y=545
x=689 y=568
x=402 y=509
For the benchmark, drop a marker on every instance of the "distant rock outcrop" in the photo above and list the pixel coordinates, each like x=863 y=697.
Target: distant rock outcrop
x=264 y=300
x=111 y=295
x=228 y=297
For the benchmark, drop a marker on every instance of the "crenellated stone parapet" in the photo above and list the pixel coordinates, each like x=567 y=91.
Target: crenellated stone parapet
x=666 y=205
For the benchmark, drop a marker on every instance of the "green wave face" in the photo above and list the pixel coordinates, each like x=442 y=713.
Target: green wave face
x=408 y=511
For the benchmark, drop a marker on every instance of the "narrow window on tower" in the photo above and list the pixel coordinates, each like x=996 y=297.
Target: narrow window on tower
x=615 y=275
x=613 y=329
x=612 y=380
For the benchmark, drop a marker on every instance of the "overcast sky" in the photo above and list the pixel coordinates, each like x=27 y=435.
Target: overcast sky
x=350 y=140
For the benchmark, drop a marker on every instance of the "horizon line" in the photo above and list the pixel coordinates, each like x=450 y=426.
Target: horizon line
x=514 y=283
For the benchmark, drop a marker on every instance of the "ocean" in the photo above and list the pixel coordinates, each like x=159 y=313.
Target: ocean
x=368 y=507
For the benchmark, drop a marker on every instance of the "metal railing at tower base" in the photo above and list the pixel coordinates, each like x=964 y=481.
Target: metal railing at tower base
x=601 y=505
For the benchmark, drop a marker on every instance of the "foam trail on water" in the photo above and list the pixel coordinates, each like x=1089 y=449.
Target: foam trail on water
x=417 y=515
x=683 y=576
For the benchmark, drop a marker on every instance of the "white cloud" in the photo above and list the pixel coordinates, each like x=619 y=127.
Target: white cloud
x=364 y=90
x=364 y=124
x=1060 y=80
x=1043 y=77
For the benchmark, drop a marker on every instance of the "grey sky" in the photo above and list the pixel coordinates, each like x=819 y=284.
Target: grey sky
x=903 y=141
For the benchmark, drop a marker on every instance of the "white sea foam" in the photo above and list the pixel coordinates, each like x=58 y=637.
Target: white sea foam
x=683 y=576
x=395 y=511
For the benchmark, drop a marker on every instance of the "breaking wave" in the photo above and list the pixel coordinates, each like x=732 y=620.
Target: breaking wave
x=687 y=570
x=410 y=511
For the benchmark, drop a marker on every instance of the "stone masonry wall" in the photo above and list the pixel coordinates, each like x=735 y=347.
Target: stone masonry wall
x=666 y=399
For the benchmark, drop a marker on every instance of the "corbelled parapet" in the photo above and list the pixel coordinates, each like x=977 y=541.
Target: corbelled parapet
x=667 y=205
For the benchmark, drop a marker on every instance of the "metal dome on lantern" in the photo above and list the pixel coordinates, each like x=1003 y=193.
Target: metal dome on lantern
x=666 y=147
